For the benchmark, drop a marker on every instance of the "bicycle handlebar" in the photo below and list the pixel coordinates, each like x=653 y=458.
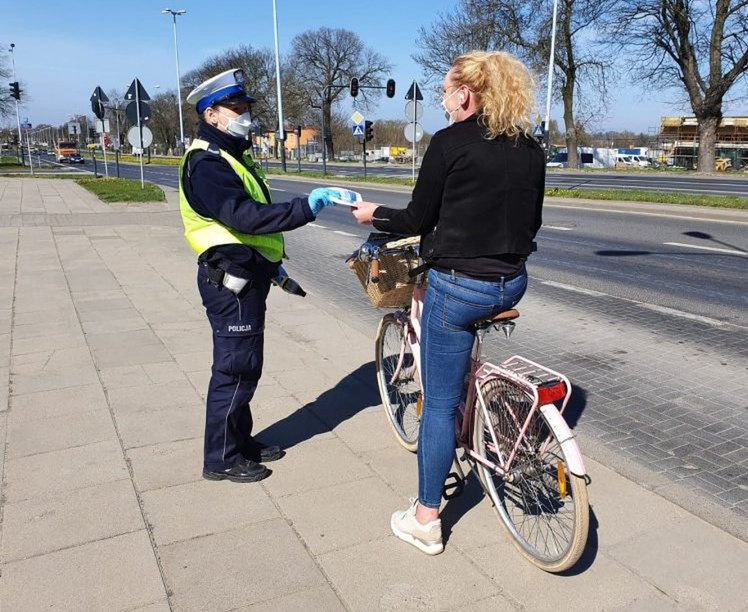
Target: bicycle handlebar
x=374 y=271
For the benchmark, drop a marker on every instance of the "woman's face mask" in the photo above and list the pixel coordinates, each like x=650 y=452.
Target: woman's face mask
x=449 y=115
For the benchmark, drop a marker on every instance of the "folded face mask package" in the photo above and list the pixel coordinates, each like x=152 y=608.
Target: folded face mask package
x=346 y=197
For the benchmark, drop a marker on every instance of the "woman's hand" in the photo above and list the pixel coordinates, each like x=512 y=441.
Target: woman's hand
x=364 y=211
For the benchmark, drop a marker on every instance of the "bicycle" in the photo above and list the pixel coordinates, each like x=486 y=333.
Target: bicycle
x=509 y=428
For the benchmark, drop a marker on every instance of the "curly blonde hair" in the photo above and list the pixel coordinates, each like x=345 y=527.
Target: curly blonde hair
x=504 y=90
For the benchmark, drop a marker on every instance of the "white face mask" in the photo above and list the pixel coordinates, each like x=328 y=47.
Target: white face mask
x=239 y=126
x=449 y=115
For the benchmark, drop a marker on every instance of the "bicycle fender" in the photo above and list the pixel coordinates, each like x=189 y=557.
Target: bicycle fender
x=566 y=438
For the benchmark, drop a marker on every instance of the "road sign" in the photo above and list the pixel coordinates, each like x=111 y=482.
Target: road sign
x=133 y=137
x=102 y=127
x=414 y=92
x=408 y=131
x=74 y=128
x=409 y=110
x=131 y=112
x=538 y=131
x=141 y=93
x=26 y=125
x=98 y=97
x=358 y=130
x=357 y=118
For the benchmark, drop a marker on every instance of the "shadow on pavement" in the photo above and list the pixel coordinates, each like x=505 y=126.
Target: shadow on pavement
x=576 y=405
x=459 y=506
x=590 y=551
x=352 y=394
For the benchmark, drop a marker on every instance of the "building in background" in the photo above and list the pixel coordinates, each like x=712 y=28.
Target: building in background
x=679 y=142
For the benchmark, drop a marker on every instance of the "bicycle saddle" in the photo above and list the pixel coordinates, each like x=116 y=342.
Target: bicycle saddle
x=506 y=315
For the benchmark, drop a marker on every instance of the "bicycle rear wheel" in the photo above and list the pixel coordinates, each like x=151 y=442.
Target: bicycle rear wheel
x=401 y=395
x=545 y=509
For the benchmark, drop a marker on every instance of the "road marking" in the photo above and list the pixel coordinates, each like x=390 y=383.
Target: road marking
x=648 y=306
x=681 y=314
x=706 y=248
x=591 y=292
x=344 y=233
x=316 y=225
x=558 y=227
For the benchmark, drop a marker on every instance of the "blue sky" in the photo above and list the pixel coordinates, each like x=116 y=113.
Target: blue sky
x=64 y=50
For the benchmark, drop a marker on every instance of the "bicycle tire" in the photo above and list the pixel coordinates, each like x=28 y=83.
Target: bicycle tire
x=402 y=399
x=535 y=500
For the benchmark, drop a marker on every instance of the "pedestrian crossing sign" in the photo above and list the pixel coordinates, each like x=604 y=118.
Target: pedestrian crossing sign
x=358 y=130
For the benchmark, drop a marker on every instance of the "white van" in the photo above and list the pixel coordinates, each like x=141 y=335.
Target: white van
x=632 y=160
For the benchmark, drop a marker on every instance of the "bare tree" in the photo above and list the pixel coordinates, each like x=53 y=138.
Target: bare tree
x=325 y=56
x=164 y=122
x=7 y=107
x=523 y=27
x=701 y=47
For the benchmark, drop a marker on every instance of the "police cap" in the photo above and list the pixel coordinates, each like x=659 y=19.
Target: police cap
x=228 y=84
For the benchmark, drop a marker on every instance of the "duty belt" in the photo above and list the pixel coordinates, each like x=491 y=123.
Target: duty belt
x=220 y=278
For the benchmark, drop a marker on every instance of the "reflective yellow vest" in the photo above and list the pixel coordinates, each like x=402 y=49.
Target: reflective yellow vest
x=203 y=233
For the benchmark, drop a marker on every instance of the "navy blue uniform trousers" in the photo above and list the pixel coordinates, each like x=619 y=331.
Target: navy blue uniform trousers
x=238 y=323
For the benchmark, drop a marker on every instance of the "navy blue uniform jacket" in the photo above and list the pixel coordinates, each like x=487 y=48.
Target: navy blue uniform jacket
x=214 y=190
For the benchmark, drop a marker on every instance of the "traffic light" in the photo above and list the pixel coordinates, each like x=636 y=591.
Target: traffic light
x=15 y=91
x=390 y=88
x=354 y=87
x=368 y=133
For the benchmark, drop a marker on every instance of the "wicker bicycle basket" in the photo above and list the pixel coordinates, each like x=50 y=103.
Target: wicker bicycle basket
x=395 y=287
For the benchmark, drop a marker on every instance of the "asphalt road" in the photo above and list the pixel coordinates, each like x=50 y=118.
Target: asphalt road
x=640 y=258
x=728 y=185
x=656 y=260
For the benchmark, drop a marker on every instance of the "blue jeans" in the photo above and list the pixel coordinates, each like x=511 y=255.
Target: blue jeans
x=452 y=305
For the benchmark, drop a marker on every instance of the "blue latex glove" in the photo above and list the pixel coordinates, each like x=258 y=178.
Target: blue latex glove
x=319 y=198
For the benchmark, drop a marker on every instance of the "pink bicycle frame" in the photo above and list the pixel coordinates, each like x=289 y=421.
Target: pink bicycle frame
x=413 y=325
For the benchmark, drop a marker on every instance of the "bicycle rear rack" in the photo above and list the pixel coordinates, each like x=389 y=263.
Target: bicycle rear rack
x=546 y=385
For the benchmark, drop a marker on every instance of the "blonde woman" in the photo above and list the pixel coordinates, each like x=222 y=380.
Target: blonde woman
x=477 y=206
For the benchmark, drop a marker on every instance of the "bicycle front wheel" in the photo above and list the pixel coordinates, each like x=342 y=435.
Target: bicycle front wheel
x=544 y=507
x=398 y=380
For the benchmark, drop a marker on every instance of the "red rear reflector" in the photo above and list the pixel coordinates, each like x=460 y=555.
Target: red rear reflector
x=551 y=393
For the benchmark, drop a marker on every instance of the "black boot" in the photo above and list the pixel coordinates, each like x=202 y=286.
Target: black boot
x=246 y=471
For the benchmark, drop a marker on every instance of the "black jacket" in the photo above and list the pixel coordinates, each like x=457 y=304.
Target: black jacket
x=474 y=197
x=214 y=190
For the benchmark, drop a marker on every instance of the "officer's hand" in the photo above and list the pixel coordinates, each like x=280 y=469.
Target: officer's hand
x=287 y=284
x=319 y=198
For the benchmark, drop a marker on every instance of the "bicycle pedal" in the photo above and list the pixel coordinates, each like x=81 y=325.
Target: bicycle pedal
x=453 y=486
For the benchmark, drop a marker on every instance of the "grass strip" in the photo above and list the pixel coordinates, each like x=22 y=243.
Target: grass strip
x=658 y=197
x=122 y=190
x=9 y=162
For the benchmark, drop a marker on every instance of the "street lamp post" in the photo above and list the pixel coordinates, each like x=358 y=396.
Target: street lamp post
x=18 y=117
x=551 y=66
x=174 y=13
x=281 y=128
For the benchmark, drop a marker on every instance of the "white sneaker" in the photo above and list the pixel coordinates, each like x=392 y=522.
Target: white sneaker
x=427 y=538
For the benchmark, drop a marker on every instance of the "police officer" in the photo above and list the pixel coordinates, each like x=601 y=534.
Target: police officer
x=236 y=231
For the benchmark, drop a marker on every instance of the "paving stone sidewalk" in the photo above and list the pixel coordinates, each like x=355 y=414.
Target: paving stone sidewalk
x=106 y=354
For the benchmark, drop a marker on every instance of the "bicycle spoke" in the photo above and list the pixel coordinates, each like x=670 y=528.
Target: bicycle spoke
x=542 y=521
